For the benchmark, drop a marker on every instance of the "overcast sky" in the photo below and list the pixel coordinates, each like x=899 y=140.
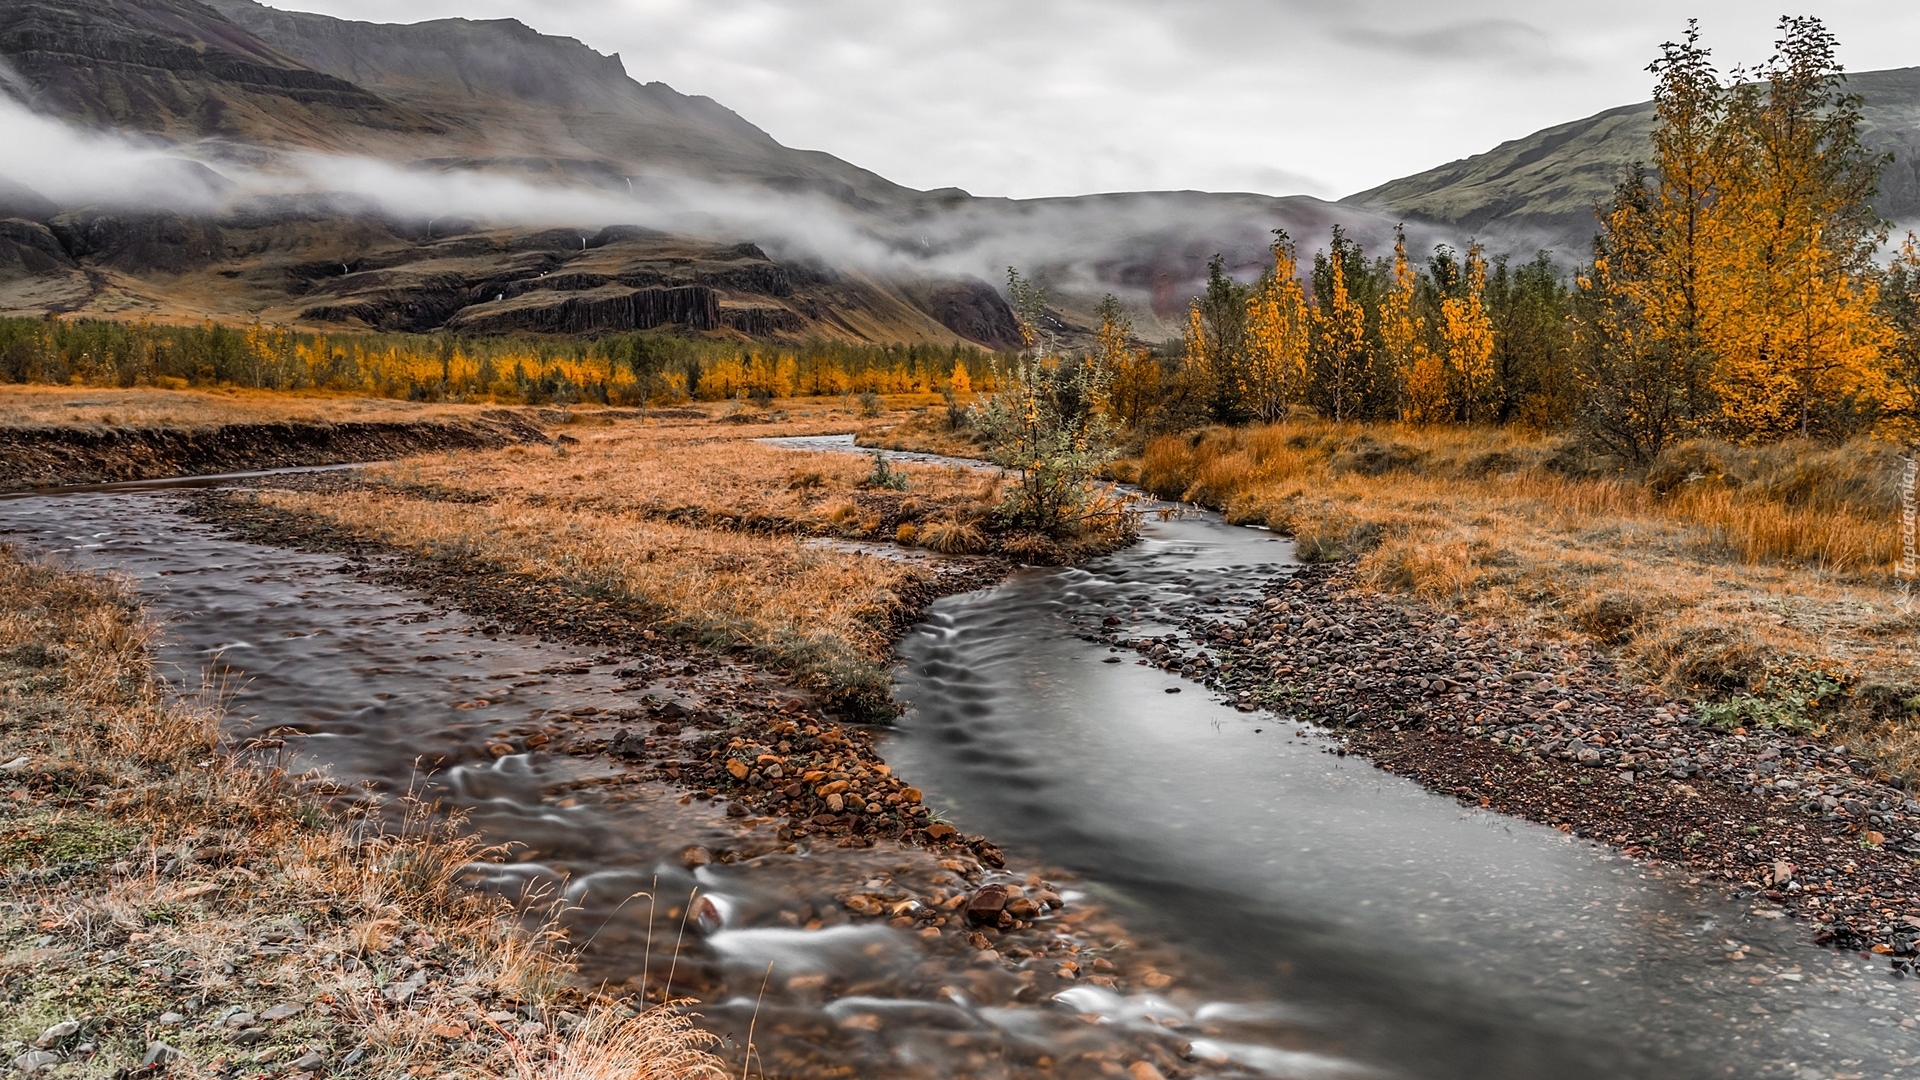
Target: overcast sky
x=1066 y=97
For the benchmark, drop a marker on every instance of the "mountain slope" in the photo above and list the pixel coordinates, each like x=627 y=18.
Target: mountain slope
x=526 y=94
x=176 y=68
x=1550 y=180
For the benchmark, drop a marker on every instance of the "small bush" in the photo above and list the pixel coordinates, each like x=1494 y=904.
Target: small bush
x=1792 y=698
x=884 y=476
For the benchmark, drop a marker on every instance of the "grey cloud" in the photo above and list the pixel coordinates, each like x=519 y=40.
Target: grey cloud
x=1508 y=40
x=1043 y=97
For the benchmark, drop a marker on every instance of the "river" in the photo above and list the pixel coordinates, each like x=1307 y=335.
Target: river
x=1329 y=919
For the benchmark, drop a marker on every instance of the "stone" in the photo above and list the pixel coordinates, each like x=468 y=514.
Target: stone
x=985 y=906
x=286 y=1010
x=1141 y=1070
x=35 y=1060
x=401 y=992
x=59 y=1032
x=695 y=856
x=311 y=1061
x=249 y=1036
x=707 y=916
x=239 y=1019
x=1022 y=908
x=159 y=1055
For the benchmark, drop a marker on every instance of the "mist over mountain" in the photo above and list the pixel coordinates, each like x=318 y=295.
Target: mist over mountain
x=181 y=160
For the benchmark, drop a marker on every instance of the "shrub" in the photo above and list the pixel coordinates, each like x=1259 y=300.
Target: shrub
x=884 y=476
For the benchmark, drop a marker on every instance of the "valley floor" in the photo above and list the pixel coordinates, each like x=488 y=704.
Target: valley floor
x=1527 y=639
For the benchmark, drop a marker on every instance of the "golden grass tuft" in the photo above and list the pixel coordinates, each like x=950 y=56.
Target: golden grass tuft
x=951 y=536
x=609 y=1044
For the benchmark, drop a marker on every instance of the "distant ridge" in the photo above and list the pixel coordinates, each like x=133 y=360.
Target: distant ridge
x=1548 y=182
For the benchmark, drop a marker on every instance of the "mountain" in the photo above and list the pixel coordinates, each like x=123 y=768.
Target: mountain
x=176 y=68
x=478 y=175
x=1547 y=184
x=512 y=97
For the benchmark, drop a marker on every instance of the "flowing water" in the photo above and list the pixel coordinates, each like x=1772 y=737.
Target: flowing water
x=1331 y=919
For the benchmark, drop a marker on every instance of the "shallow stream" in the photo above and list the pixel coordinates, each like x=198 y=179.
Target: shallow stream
x=1330 y=919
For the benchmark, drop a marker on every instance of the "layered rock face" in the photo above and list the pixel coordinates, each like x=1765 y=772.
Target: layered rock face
x=177 y=68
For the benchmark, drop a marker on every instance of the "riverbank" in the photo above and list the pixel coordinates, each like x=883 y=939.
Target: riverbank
x=170 y=905
x=1555 y=732
x=1705 y=681
x=1759 y=582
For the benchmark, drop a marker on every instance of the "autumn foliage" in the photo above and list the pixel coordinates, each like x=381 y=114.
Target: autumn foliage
x=1734 y=291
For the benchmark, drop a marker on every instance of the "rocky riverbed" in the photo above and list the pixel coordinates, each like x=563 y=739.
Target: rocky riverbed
x=1552 y=732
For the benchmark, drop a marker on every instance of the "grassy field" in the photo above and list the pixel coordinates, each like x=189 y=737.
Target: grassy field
x=1760 y=578
x=155 y=890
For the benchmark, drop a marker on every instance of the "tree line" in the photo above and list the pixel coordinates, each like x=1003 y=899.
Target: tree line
x=1735 y=289
x=621 y=369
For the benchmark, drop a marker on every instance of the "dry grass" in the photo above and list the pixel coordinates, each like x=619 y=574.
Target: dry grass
x=928 y=431
x=823 y=612
x=146 y=871
x=658 y=1045
x=1715 y=564
x=705 y=473
x=695 y=526
x=72 y=406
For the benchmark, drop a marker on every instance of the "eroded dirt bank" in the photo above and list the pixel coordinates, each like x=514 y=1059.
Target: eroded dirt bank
x=43 y=456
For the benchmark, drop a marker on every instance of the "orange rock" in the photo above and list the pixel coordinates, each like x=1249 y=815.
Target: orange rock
x=738 y=768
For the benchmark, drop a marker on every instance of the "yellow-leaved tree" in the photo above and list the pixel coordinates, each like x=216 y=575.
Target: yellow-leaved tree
x=1278 y=337
x=1340 y=334
x=1422 y=376
x=1788 y=293
x=1466 y=342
